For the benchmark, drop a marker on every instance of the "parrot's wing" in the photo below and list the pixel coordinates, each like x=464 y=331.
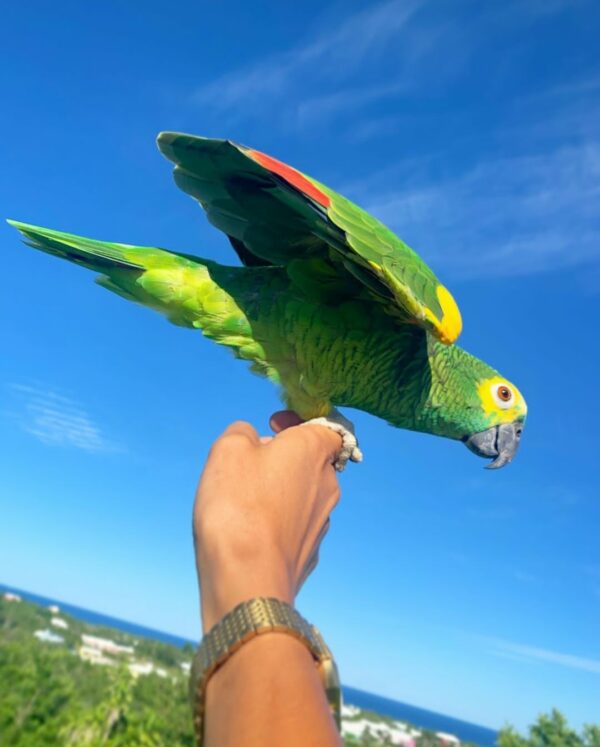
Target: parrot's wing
x=273 y=214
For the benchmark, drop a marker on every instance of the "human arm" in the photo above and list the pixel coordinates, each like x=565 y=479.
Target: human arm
x=262 y=509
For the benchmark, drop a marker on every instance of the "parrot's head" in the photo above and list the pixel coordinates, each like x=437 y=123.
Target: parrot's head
x=471 y=402
x=498 y=421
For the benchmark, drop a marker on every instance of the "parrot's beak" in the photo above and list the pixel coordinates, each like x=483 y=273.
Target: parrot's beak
x=500 y=441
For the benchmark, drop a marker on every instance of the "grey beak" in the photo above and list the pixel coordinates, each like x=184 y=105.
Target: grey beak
x=500 y=441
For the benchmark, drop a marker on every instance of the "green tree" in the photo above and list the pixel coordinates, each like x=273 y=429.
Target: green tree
x=508 y=737
x=591 y=735
x=553 y=731
x=550 y=730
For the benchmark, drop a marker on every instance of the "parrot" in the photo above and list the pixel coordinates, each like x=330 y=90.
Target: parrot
x=326 y=302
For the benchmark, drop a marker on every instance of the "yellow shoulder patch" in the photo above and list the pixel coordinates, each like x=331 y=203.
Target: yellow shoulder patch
x=449 y=327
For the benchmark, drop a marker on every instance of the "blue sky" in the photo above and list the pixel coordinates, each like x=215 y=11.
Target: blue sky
x=472 y=130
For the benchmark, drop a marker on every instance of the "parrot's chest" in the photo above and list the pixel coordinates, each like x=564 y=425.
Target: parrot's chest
x=326 y=357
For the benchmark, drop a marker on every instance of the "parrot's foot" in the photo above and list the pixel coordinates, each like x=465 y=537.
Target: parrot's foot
x=338 y=423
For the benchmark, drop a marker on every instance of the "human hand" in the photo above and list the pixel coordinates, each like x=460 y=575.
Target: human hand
x=262 y=509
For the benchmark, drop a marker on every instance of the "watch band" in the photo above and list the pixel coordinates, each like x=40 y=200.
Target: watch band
x=244 y=622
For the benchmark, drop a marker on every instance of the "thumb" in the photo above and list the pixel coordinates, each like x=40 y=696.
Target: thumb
x=283 y=419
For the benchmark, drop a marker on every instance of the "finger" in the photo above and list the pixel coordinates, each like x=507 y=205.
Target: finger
x=243 y=429
x=283 y=419
x=327 y=441
x=266 y=439
x=324 y=438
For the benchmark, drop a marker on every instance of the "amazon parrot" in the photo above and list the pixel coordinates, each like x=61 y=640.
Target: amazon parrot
x=329 y=304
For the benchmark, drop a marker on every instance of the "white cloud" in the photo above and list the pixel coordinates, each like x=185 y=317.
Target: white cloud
x=330 y=56
x=588 y=84
x=536 y=654
x=530 y=212
x=382 y=50
x=56 y=420
x=318 y=109
x=508 y=216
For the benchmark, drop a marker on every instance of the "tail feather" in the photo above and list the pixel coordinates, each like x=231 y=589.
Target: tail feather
x=101 y=255
x=189 y=291
x=96 y=255
x=177 y=285
x=152 y=277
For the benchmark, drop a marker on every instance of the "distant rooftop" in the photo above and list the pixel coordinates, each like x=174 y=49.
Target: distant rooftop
x=47 y=636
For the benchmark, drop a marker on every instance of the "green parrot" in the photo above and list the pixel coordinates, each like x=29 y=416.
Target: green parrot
x=329 y=304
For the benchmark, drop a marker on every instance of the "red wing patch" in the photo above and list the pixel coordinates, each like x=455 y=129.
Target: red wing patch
x=293 y=177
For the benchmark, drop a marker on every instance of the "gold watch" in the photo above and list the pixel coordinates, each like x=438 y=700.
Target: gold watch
x=244 y=622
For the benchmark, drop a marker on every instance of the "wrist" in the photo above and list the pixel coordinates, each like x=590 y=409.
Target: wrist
x=241 y=657
x=226 y=580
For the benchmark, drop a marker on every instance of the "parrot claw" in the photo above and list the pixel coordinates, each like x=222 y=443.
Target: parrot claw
x=338 y=423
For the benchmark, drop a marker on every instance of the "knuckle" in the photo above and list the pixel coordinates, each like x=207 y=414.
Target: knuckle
x=229 y=441
x=323 y=438
x=311 y=437
x=235 y=440
x=239 y=425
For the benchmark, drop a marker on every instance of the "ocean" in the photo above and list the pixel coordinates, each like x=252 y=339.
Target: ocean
x=464 y=730
x=96 y=618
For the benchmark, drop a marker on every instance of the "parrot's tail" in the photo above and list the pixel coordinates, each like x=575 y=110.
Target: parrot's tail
x=101 y=256
x=153 y=277
x=189 y=291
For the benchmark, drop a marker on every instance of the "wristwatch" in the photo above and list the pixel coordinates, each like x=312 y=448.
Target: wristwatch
x=245 y=621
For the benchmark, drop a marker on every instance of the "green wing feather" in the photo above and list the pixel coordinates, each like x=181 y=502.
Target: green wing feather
x=275 y=214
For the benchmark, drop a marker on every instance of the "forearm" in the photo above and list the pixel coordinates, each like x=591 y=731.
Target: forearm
x=269 y=693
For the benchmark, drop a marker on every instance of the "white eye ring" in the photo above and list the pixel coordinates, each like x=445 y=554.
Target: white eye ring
x=503 y=396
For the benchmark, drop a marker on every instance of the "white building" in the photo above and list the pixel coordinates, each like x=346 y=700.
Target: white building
x=105 y=645
x=47 y=636
x=94 y=656
x=138 y=668
x=396 y=734
x=447 y=739
x=141 y=668
x=8 y=596
x=54 y=608
x=58 y=622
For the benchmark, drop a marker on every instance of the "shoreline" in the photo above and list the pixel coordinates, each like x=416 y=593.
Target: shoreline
x=387 y=707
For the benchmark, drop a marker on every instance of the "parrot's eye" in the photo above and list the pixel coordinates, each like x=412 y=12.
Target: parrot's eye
x=503 y=395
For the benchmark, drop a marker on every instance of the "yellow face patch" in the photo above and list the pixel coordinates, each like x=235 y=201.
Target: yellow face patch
x=502 y=402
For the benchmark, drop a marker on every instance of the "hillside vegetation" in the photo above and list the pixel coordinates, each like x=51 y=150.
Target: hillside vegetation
x=50 y=696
